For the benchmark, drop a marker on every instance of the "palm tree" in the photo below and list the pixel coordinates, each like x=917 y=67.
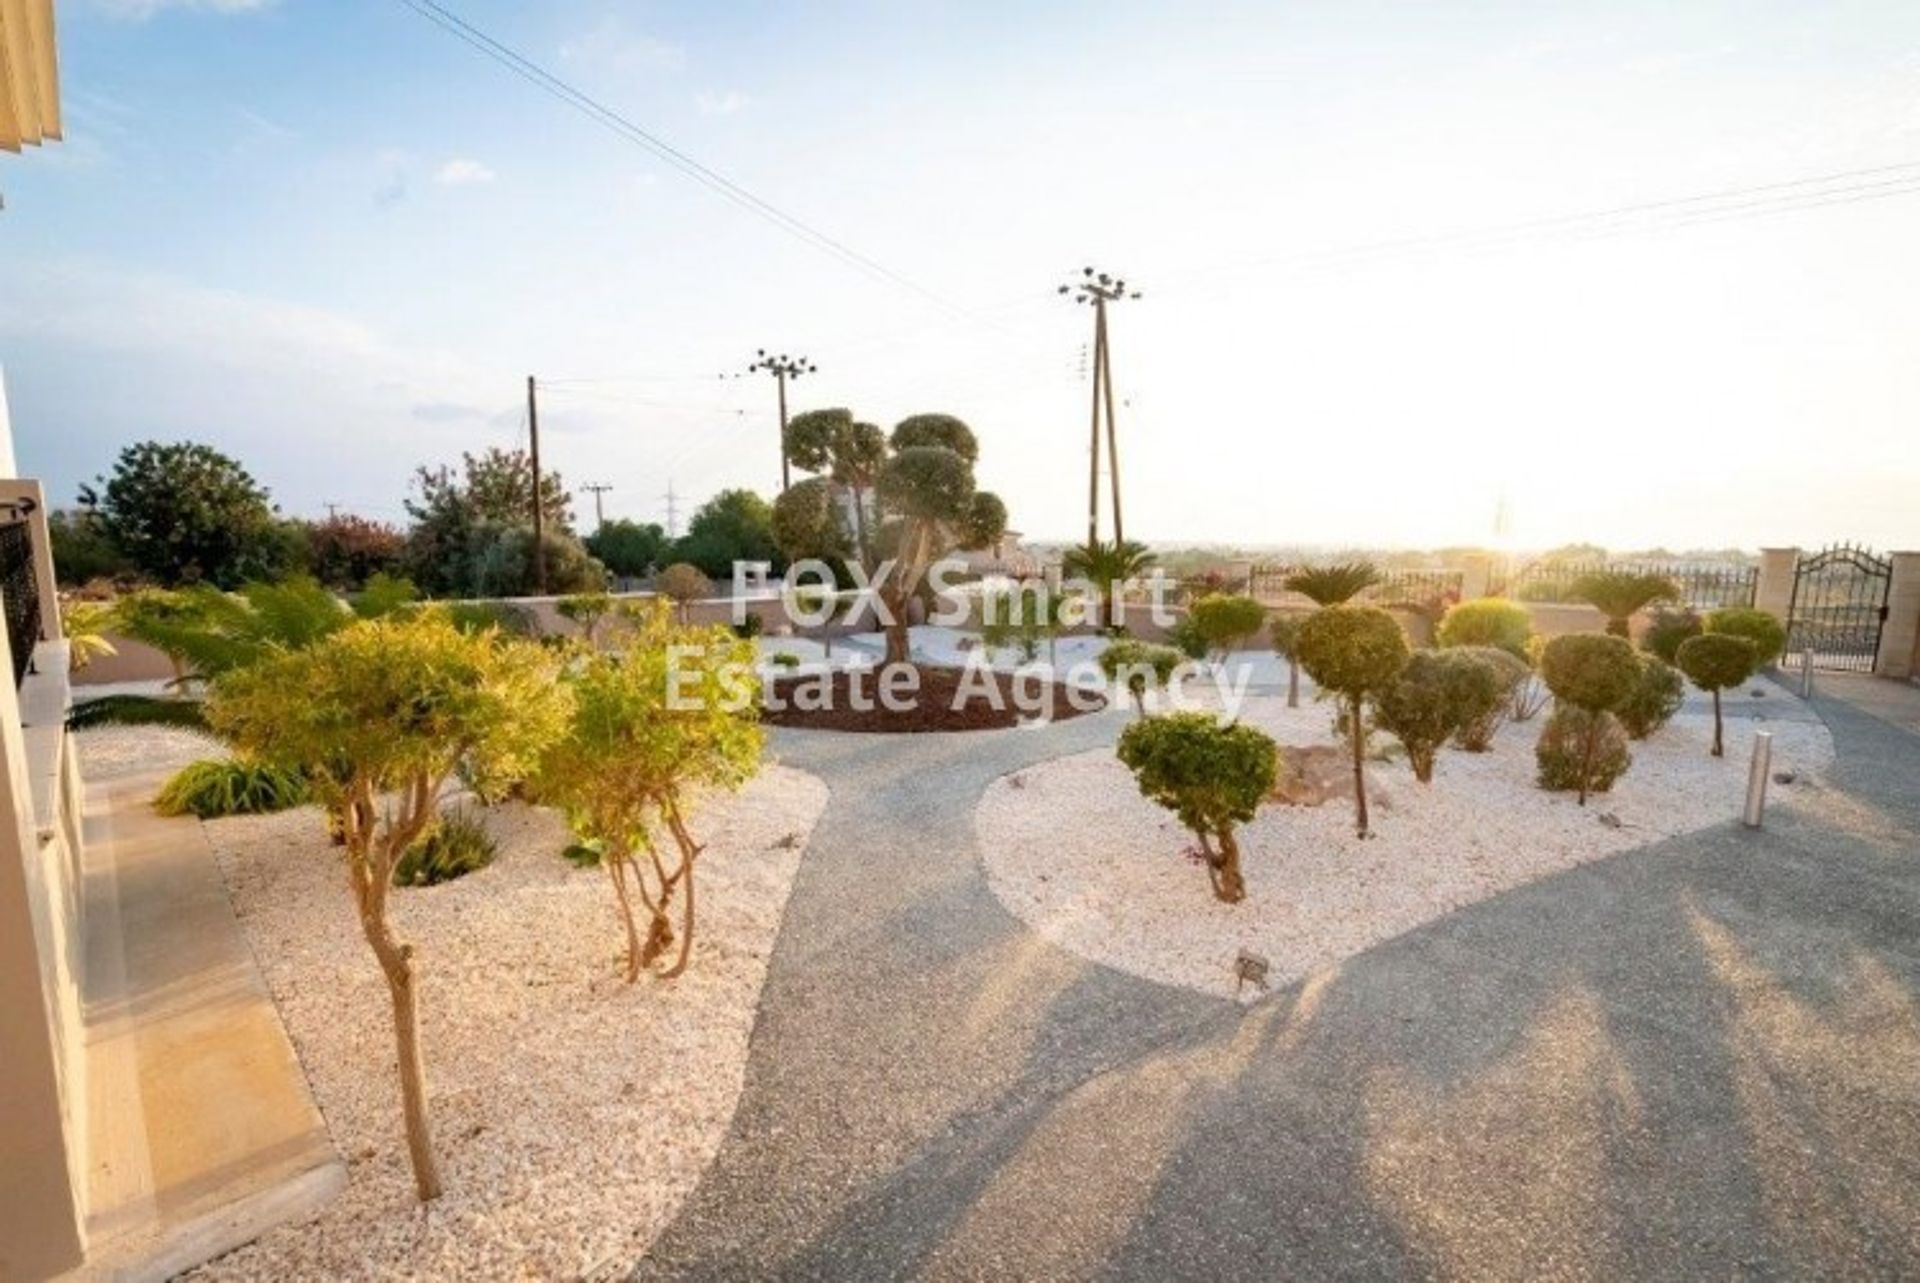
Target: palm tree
x=1107 y=566
x=1334 y=585
x=1620 y=594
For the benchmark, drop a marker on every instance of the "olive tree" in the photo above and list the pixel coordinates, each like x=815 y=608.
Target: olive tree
x=379 y=716
x=1210 y=776
x=1355 y=652
x=669 y=719
x=1714 y=662
x=1594 y=674
x=928 y=505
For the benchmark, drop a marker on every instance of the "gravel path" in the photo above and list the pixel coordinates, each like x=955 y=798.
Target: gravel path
x=572 y=1112
x=1687 y=1060
x=1111 y=882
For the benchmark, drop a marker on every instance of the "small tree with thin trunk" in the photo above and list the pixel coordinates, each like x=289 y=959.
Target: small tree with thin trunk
x=1224 y=621
x=585 y=611
x=683 y=584
x=1714 y=662
x=1285 y=633
x=1209 y=775
x=1140 y=667
x=673 y=715
x=1355 y=652
x=379 y=716
x=1595 y=673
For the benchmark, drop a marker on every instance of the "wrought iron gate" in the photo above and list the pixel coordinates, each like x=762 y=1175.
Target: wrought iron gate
x=1839 y=607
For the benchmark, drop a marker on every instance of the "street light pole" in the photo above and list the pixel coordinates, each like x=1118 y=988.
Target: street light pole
x=782 y=368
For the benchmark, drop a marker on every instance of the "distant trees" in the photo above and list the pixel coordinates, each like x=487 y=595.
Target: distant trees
x=345 y=551
x=629 y=549
x=734 y=525
x=472 y=532
x=82 y=549
x=186 y=513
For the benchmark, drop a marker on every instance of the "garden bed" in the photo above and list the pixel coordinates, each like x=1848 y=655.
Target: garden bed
x=572 y=1112
x=928 y=698
x=1110 y=881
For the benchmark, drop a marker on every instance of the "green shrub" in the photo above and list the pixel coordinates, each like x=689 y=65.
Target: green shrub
x=1666 y=629
x=1593 y=671
x=1184 y=636
x=1620 y=594
x=785 y=659
x=585 y=611
x=1224 y=621
x=456 y=845
x=1356 y=652
x=749 y=627
x=1509 y=674
x=1438 y=692
x=1210 y=776
x=1334 y=585
x=1487 y=621
x=1140 y=666
x=1715 y=661
x=1768 y=635
x=230 y=786
x=472 y=617
x=1655 y=698
x=1582 y=750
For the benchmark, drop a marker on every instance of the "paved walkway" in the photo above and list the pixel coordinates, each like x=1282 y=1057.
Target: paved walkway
x=1698 y=1059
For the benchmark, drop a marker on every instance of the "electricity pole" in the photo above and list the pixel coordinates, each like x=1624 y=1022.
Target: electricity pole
x=1099 y=289
x=673 y=512
x=539 y=517
x=333 y=508
x=596 y=489
x=782 y=368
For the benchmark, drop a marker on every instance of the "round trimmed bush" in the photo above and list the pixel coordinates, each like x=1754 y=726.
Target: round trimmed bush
x=1210 y=776
x=1594 y=671
x=1655 y=698
x=1355 y=651
x=1509 y=673
x=1666 y=629
x=1768 y=635
x=1140 y=666
x=1224 y=620
x=1715 y=661
x=1581 y=750
x=1437 y=693
x=1487 y=621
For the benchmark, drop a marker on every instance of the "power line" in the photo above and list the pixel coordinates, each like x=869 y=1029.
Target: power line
x=620 y=125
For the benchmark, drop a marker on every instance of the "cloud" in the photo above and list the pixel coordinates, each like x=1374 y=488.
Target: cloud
x=610 y=44
x=141 y=10
x=723 y=104
x=462 y=172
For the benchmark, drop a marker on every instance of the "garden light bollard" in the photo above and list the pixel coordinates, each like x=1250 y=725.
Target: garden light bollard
x=1806 y=673
x=1757 y=779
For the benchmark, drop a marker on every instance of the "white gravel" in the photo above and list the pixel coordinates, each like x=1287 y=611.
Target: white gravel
x=1072 y=849
x=572 y=1112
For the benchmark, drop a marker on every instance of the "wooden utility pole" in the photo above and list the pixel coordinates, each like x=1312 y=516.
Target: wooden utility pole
x=596 y=489
x=1099 y=289
x=539 y=516
x=782 y=368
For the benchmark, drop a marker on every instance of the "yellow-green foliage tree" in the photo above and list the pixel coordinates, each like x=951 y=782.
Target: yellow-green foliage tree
x=672 y=716
x=378 y=716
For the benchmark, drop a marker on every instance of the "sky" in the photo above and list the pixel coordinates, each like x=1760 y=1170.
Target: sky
x=333 y=240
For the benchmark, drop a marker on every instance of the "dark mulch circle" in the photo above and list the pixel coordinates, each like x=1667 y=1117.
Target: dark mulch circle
x=853 y=700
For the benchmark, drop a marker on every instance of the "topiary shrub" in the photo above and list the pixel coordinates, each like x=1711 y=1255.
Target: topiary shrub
x=1356 y=652
x=1620 y=594
x=1223 y=621
x=230 y=786
x=1595 y=673
x=1436 y=694
x=1210 y=776
x=1655 y=698
x=1509 y=674
x=1184 y=636
x=456 y=845
x=1768 y=635
x=1715 y=661
x=1487 y=621
x=1581 y=749
x=1666 y=629
x=1140 y=667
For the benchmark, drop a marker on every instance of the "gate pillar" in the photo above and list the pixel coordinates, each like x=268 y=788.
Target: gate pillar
x=1773 y=590
x=1900 y=636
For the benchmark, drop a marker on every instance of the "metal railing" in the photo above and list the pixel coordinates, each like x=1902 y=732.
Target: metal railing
x=1702 y=587
x=1268 y=583
x=20 y=590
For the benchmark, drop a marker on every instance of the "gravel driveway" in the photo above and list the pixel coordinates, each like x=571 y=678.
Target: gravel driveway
x=1699 y=1058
